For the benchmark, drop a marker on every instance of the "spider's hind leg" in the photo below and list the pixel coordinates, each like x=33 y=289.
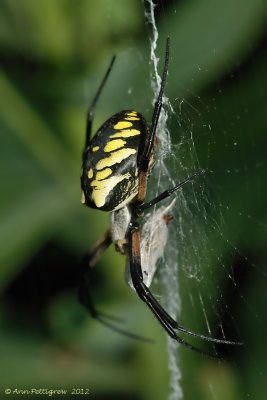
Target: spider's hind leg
x=146 y=155
x=91 y=109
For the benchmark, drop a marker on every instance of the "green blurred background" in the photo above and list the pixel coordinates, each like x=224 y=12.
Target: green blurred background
x=53 y=55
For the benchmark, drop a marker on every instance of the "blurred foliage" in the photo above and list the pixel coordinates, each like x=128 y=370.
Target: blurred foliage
x=53 y=55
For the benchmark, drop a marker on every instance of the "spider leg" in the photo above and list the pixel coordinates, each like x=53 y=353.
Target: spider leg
x=169 y=192
x=168 y=323
x=146 y=155
x=208 y=338
x=85 y=291
x=91 y=109
x=87 y=265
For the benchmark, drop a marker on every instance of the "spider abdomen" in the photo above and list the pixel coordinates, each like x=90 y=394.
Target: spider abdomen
x=110 y=162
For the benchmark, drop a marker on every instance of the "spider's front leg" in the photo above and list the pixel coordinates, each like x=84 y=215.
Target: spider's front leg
x=141 y=289
x=87 y=264
x=168 y=323
x=85 y=289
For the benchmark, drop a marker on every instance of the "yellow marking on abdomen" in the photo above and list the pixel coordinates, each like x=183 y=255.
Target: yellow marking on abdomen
x=90 y=173
x=132 y=114
x=122 y=125
x=125 y=133
x=132 y=118
x=114 y=145
x=96 y=148
x=115 y=158
x=102 y=174
x=103 y=188
x=83 y=198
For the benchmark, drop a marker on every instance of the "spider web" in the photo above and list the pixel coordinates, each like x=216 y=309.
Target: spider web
x=171 y=298
x=198 y=217
x=174 y=256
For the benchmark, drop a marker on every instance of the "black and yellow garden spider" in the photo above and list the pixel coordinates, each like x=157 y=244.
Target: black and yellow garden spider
x=116 y=164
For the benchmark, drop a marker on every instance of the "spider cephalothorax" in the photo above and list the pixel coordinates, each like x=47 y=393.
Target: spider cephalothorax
x=116 y=164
